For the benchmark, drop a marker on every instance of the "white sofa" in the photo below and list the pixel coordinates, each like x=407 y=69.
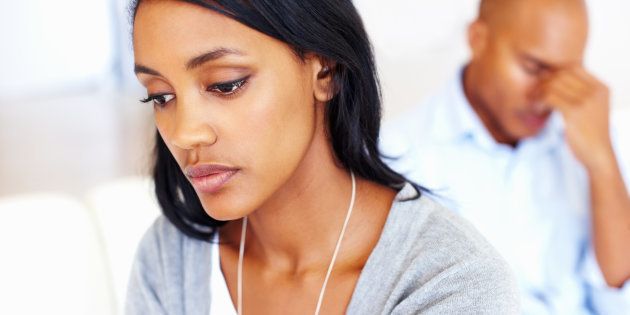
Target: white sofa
x=52 y=258
x=62 y=255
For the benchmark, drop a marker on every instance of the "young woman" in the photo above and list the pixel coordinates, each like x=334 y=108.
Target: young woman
x=274 y=196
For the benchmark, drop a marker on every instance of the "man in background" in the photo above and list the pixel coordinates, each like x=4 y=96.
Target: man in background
x=519 y=144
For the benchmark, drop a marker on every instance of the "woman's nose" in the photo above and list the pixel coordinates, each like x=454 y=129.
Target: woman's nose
x=193 y=127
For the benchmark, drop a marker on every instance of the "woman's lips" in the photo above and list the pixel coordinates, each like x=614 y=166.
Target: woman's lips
x=209 y=178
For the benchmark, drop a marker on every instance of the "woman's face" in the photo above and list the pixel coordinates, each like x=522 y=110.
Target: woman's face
x=236 y=108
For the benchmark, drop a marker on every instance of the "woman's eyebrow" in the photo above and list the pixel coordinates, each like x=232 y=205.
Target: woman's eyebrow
x=194 y=62
x=138 y=68
x=211 y=55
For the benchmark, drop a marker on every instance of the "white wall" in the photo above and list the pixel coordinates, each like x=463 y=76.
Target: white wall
x=608 y=54
x=65 y=123
x=49 y=47
x=53 y=46
x=418 y=45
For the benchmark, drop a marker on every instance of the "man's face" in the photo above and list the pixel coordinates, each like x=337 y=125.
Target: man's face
x=517 y=54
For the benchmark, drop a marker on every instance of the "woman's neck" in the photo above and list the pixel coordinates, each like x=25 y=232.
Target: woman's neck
x=297 y=228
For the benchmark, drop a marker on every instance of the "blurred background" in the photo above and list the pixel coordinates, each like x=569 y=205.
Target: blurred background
x=73 y=135
x=69 y=111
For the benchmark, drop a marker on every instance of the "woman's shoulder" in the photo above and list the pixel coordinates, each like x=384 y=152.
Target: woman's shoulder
x=160 y=274
x=431 y=224
x=164 y=245
x=431 y=260
x=160 y=239
x=162 y=232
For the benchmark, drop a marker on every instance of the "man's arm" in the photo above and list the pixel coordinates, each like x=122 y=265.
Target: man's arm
x=611 y=222
x=584 y=104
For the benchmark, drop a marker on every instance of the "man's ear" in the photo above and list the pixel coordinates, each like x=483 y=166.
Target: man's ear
x=477 y=38
x=323 y=83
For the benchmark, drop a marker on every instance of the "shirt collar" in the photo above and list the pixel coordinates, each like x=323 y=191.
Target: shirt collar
x=455 y=119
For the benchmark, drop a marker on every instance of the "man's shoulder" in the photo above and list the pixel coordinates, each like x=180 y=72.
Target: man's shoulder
x=408 y=131
x=419 y=124
x=417 y=116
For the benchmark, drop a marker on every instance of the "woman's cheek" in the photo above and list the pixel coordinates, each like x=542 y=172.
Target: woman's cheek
x=280 y=128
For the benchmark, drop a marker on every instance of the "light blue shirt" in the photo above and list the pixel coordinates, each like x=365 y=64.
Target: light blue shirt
x=531 y=202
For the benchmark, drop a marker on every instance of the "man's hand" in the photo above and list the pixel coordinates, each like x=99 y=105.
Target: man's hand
x=584 y=103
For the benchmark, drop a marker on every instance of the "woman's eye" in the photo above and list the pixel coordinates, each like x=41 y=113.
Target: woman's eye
x=228 y=88
x=159 y=100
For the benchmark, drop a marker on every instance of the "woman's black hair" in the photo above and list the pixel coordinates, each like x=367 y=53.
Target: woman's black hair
x=331 y=29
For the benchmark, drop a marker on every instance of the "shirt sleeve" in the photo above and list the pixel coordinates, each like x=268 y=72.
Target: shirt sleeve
x=602 y=298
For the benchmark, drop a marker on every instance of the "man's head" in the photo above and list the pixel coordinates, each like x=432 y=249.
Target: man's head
x=515 y=45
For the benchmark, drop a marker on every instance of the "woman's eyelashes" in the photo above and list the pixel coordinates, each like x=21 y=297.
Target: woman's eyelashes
x=224 y=89
x=159 y=100
x=229 y=88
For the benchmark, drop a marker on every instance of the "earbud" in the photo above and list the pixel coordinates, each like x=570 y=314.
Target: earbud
x=324 y=72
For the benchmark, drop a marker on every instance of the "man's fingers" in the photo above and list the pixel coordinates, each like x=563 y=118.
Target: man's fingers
x=569 y=90
x=570 y=87
x=572 y=80
x=561 y=96
x=585 y=76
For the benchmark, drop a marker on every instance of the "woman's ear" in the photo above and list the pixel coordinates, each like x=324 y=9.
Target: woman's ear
x=323 y=83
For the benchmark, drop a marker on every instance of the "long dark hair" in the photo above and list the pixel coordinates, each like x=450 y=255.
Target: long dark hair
x=331 y=29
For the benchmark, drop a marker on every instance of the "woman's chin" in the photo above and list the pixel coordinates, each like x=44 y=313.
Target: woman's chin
x=224 y=210
x=223 y=216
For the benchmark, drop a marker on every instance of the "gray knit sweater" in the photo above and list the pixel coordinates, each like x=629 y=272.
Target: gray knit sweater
x=427 y=261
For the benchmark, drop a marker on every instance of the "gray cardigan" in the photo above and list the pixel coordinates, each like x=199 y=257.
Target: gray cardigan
x=427 y=261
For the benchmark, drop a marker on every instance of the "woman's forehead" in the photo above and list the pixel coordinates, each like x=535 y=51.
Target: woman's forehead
x=180 y=28
x=171 y=36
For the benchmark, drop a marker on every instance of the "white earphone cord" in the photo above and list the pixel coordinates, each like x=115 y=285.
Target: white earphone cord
x=241 y=252
x=334 y=258
x=330 y=266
